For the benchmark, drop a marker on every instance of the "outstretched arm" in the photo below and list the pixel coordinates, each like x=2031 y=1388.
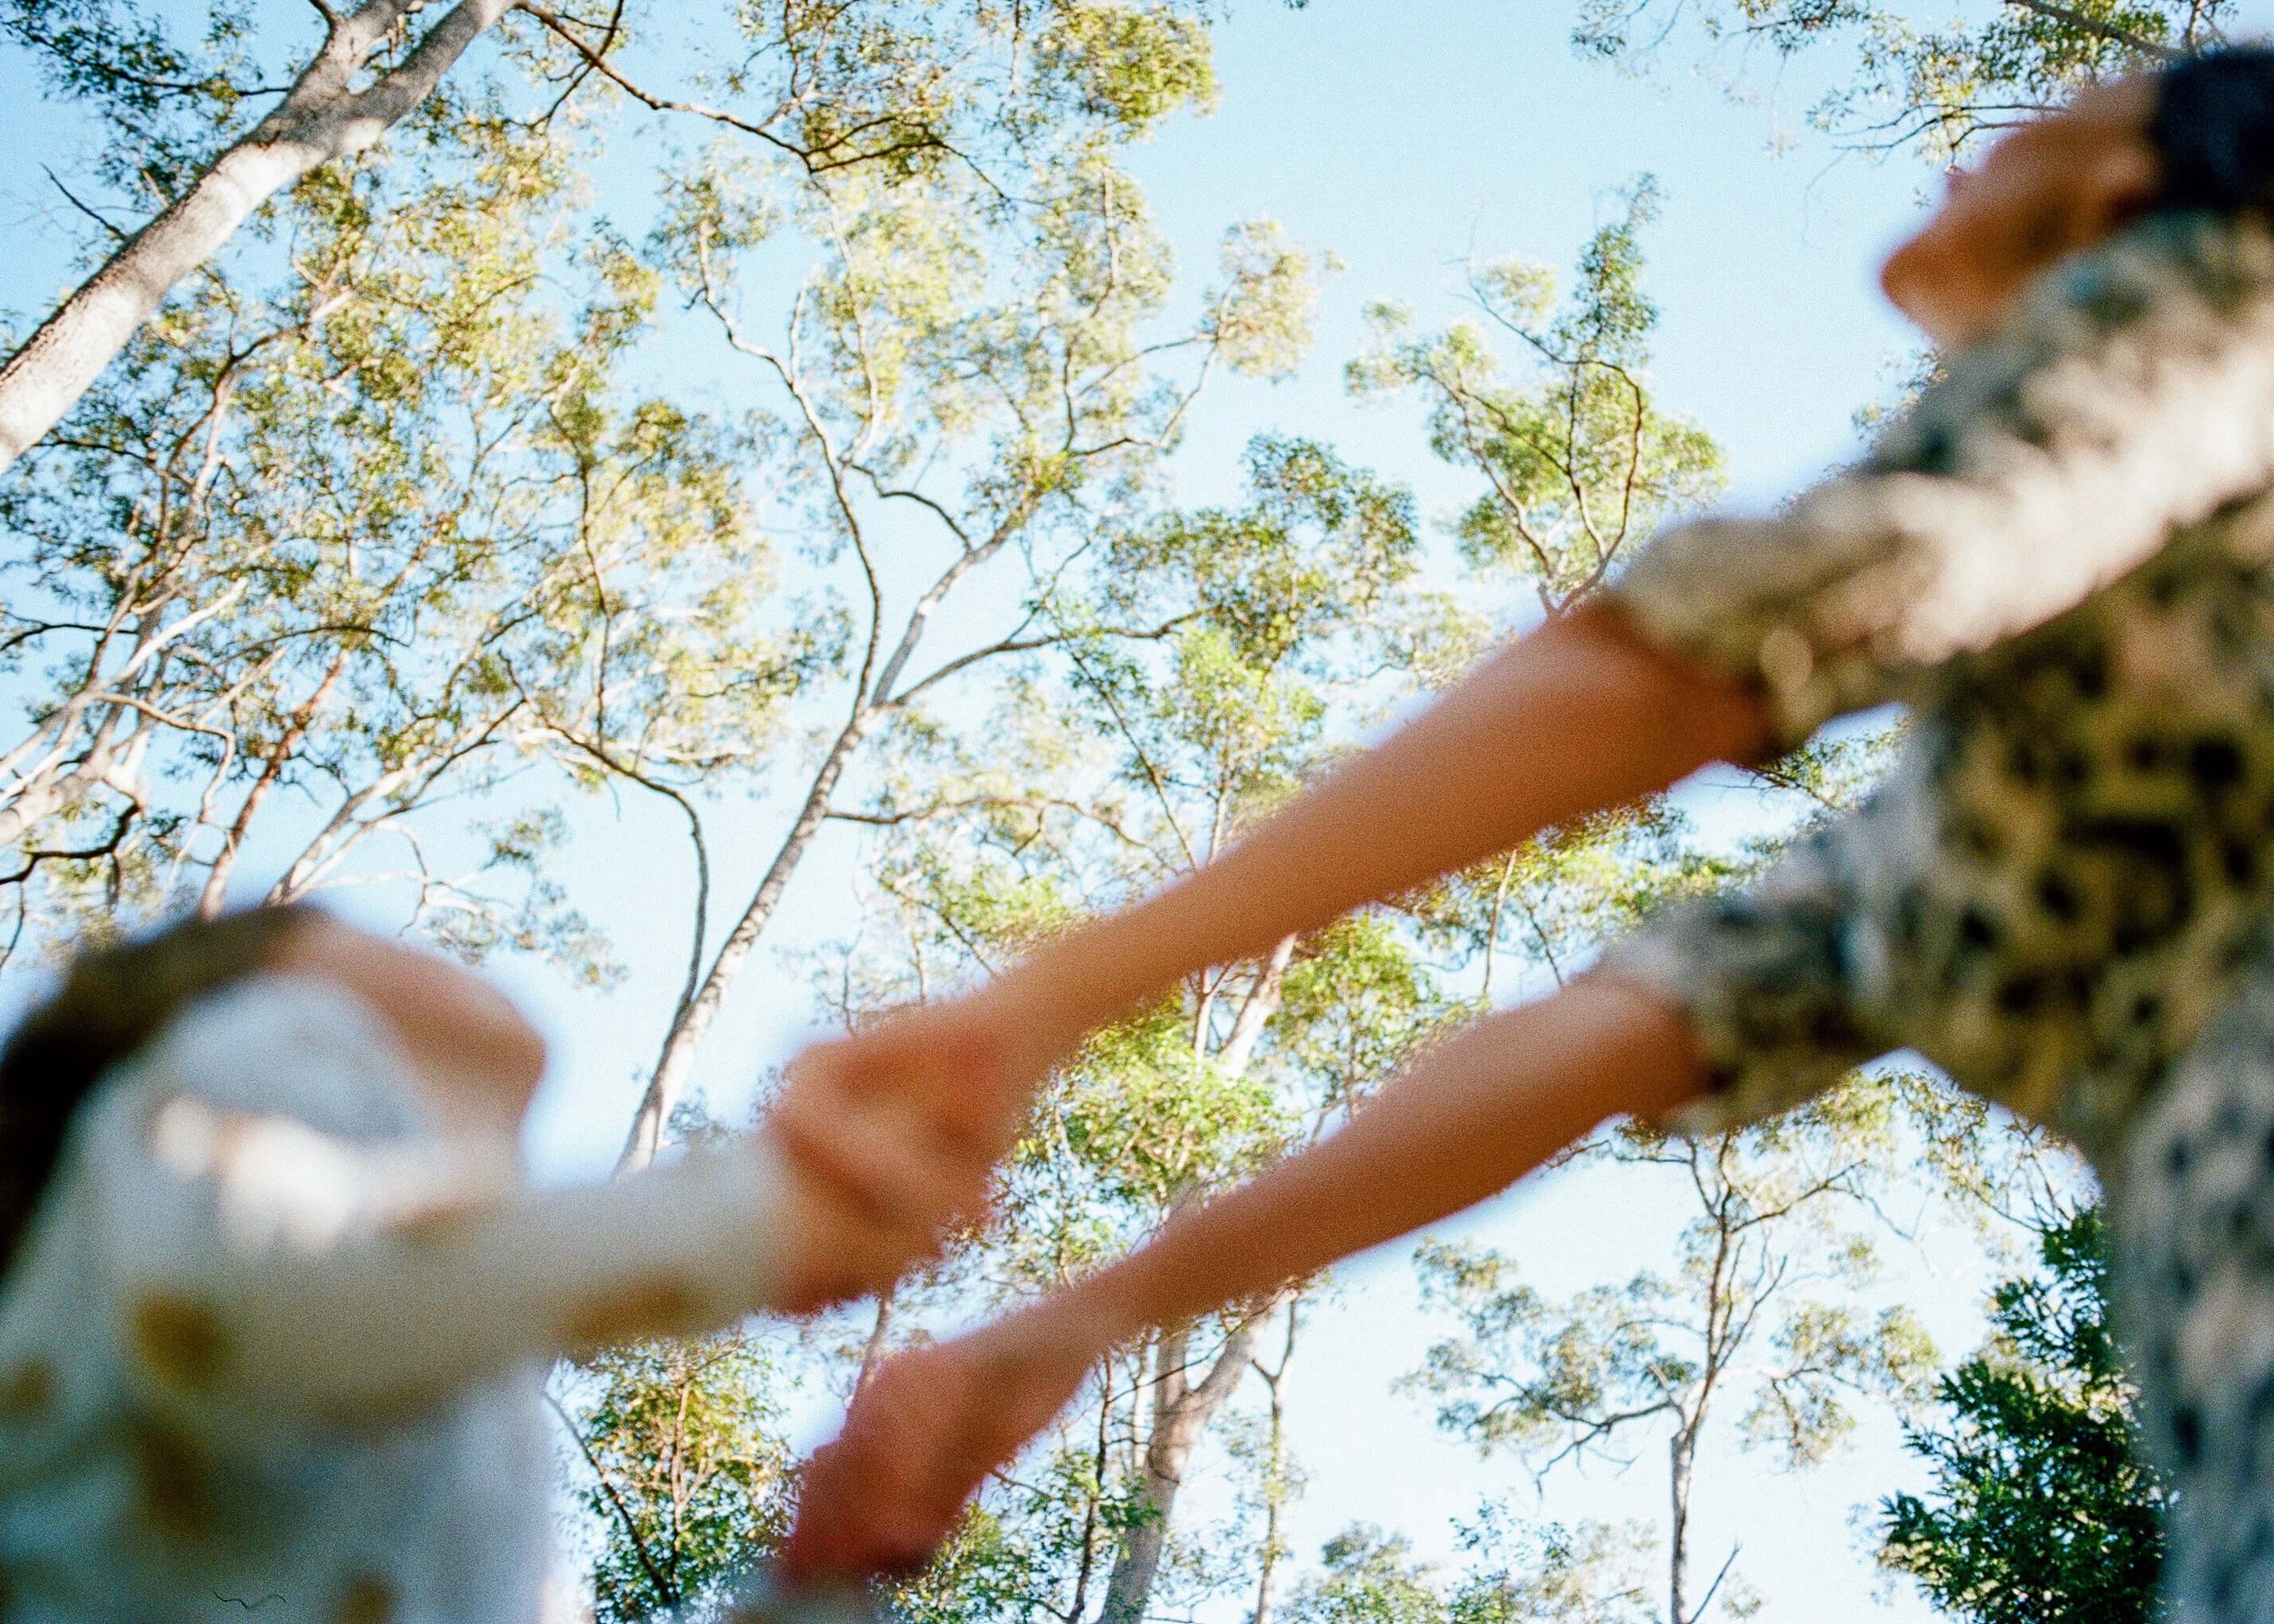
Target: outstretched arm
x=1581 y=715
x=278 y=1239
x=1475 y=1114
x=2129 y=396
x=2130 y=393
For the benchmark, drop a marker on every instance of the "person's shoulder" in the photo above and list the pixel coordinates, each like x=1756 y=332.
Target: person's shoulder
x=2169 y=285
x=2107 y=338
x=2171 y=260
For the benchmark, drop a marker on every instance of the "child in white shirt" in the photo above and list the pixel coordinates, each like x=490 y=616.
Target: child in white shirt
x=276 y=1299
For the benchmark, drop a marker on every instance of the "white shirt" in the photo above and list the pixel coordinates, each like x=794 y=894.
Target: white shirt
x=272 y=1344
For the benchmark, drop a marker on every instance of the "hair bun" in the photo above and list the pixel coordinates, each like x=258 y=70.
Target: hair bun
x=2213 y=131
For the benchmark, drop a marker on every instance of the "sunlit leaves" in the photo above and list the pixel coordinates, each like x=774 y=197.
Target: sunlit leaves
x=1261 y=317
x=400 y=531
x=1915 y=76
x=1131 y=64
x=1202 y=663
x=683 y=1463
x=1579 y=463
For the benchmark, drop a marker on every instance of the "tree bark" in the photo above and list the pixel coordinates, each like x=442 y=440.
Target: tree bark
x=872 y=1352
x=320 y=119
x=1181 y=1412
x=673 y=1065
x=215 y=889
x=1682 y=1451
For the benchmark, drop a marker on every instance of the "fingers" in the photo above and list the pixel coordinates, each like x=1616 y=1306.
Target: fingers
x=837 y=1252
x=886 y=1155
x=825 y=1279
x=860 y=1516
x=844 y=1537
x=885 y=1495
x=944 y=1062
x=869 y=1170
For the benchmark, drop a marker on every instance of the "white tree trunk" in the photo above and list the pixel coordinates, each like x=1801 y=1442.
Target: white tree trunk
x=320 y=120
x=1181 y=1412
x=667 y=1084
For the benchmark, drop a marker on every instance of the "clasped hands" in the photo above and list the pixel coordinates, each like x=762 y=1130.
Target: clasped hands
x=892 y=1137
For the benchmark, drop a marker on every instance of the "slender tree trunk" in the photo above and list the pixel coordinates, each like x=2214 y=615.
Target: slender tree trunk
x=872 y=1352
x=1257 y=1009
x=320 y=120
x=1181 y=1412
x=1266 y=1578
x=1682 y=1459
x=1275 y=1481
x=673 y=1065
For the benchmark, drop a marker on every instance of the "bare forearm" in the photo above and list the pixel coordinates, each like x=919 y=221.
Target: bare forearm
x=1475 y=1115
x=1577 y=717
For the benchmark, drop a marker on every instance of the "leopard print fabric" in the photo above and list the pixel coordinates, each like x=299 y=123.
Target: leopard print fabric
x=2064 y=561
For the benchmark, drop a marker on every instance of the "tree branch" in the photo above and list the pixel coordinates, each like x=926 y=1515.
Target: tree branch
x=2074 y=18
x=663 y=1590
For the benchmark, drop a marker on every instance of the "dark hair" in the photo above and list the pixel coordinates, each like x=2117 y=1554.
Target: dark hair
x=2213 y=131
x=115 y=999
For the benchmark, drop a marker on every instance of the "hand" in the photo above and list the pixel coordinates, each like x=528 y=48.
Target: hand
x=834 y=1248
x=922 y=1437
x=909 y=1117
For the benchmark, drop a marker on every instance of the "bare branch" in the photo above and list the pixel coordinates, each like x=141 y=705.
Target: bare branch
x=1017 y=645
x=85 y=208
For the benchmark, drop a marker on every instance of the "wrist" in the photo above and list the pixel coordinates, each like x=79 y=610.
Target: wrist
x=1040 y=1012
x=1097 y=1314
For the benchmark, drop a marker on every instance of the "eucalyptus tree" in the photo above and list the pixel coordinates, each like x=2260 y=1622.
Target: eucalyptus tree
x=1919 y=78
x=1757 y=1326
x=325 y=552
x=1577 y=465
x=1289 y=624
x=881 y=137
x=1578 y=462
x=185 y=108
x=970 y=386
x=1544 y=398
x=683 y=1461
x=212 y=110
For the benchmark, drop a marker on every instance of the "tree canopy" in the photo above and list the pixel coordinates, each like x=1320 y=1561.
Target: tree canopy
x=468 y=419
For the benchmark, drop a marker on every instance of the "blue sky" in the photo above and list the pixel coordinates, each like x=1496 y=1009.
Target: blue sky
x=1405 y=137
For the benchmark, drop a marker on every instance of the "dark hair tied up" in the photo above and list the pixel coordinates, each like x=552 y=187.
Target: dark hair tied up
x=2213 y=131
x=115 y=1000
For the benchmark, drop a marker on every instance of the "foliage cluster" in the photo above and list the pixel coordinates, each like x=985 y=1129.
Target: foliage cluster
x=405 y=528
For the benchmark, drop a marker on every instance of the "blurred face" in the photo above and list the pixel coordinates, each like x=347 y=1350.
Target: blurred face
x=2043 y=191
x=477 y=1060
